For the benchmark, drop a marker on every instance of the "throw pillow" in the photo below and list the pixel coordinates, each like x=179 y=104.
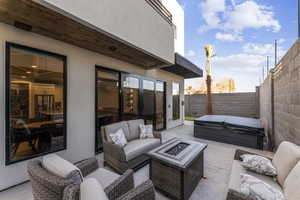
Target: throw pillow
x=258 y=164
x=253 y=188
x=90 y=189
x=146 y=131
x=59 y=166
x=119 y=138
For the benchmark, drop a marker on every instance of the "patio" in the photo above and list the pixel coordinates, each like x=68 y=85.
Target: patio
x=213 y=188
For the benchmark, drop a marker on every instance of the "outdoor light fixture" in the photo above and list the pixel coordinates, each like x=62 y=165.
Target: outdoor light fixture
x=34 y=66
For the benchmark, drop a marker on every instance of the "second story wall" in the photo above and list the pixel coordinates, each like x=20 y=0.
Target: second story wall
x=133 y=21
x=178 y=20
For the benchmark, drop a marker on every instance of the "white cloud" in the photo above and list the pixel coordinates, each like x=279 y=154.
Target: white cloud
x=191 y=53
x=228 y=37
x=240 y=62
x=249 y=14
x=236 y=18
x=263 y=49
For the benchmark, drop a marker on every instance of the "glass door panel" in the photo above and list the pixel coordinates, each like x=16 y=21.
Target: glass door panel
x=160 y=106
x=107 y=101
x=131 y=100
x=148 y=101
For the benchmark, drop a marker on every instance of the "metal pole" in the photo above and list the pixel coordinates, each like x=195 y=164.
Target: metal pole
x=267 y=65
x=276 y=50
x=298 y=18
x=263 y=73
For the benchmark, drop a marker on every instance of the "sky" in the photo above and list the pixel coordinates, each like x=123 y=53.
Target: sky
x=242 y=33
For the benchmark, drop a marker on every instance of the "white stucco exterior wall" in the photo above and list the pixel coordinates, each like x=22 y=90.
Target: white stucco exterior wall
x=178 y=20
x=80 y=93
x=133 y=21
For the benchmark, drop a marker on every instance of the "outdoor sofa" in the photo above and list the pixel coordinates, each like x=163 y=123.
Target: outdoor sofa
x=49 y=186
x=133 y=154
x=287 y=162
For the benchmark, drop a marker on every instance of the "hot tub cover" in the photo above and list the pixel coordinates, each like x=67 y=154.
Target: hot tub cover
x=232 y=120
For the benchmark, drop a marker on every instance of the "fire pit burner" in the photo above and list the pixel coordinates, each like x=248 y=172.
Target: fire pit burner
x=174 y=151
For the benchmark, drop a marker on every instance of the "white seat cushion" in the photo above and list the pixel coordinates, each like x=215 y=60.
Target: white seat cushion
x=91 y=189
x=103 y=176
x=58 y=165
x=238 y=169
x=292 y=183
x=138 y=147
x=285 y=158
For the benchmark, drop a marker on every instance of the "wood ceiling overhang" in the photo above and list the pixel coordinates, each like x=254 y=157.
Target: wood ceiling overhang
x=38 y=19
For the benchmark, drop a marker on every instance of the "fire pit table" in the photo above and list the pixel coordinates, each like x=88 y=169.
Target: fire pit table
x=176 y=167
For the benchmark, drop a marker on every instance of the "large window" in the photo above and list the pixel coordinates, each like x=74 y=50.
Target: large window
x=36 y=102
x=176 y=101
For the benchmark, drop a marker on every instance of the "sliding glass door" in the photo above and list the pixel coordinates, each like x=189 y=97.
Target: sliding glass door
x=122 y=96
x=107 y=101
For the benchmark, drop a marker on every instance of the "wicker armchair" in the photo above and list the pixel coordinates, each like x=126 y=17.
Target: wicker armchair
x=144 y=191
x=133 y=155
x=48 y=186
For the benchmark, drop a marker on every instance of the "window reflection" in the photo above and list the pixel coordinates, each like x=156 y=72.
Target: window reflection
x=131 y=98
x=160 y=104
x=36 y=103
x=148 y=101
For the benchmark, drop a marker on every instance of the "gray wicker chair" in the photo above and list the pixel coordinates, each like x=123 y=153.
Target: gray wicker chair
x=133 y=155
x=47 y=186
x=144 y=191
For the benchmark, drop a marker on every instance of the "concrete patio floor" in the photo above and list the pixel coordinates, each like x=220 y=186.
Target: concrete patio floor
x=218 y=159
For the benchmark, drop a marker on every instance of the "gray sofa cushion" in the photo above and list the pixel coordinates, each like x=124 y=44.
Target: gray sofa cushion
x=113 y=128
x=134 y=130
x=103 y=176
x=235 y=177
x=138 y=147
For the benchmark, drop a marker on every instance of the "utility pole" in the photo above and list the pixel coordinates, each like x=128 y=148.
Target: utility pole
x=267 y=65
x=276 y=49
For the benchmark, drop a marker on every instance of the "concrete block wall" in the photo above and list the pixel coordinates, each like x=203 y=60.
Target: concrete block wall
x=286 y=98
x=237 y=104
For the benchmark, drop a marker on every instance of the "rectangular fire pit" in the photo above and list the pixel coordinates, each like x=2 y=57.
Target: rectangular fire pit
x=176 y=167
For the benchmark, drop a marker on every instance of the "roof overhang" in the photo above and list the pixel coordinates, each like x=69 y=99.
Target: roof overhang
x=32 y=16
x=185 y=68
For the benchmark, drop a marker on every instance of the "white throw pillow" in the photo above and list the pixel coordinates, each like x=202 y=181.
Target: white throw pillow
x=90 y=189
x=146 y=131
x=119 y=138
x=258 y=164
x=59 y=166
x=253 y=188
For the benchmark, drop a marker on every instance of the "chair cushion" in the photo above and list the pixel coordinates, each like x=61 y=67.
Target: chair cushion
x=254 y=188
x=59 y=166
x=113 y=128
x=285 y=158
x=238 y=169
x=103 y=176
x=134 y=131
x=138 y=147
x=292 y=183
x=91 y=189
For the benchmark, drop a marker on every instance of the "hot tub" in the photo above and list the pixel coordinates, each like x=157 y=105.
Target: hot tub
x=241 y=131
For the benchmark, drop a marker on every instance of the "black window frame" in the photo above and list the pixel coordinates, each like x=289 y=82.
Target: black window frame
x=8 y=46
x=173 y=106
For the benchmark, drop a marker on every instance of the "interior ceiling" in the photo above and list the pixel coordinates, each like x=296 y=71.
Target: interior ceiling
x=44 y=21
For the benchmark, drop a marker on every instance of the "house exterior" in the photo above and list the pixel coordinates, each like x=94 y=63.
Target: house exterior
x=69 y=67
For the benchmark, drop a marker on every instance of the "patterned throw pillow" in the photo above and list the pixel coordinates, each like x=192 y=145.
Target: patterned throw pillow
x=119 y=138
x=146 y=131
x=253 y=188
x=258 y=164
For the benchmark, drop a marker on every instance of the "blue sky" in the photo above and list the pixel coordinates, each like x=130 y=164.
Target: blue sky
x=242 y=33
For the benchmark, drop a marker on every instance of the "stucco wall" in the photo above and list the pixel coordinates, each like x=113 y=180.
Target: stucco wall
x=178 y=20
x=286 y=83
x=80 y=93
x=133 y=21
x=237 y=104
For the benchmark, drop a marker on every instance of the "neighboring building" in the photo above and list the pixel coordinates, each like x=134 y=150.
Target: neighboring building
x=70 y=67
x=226 y=85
